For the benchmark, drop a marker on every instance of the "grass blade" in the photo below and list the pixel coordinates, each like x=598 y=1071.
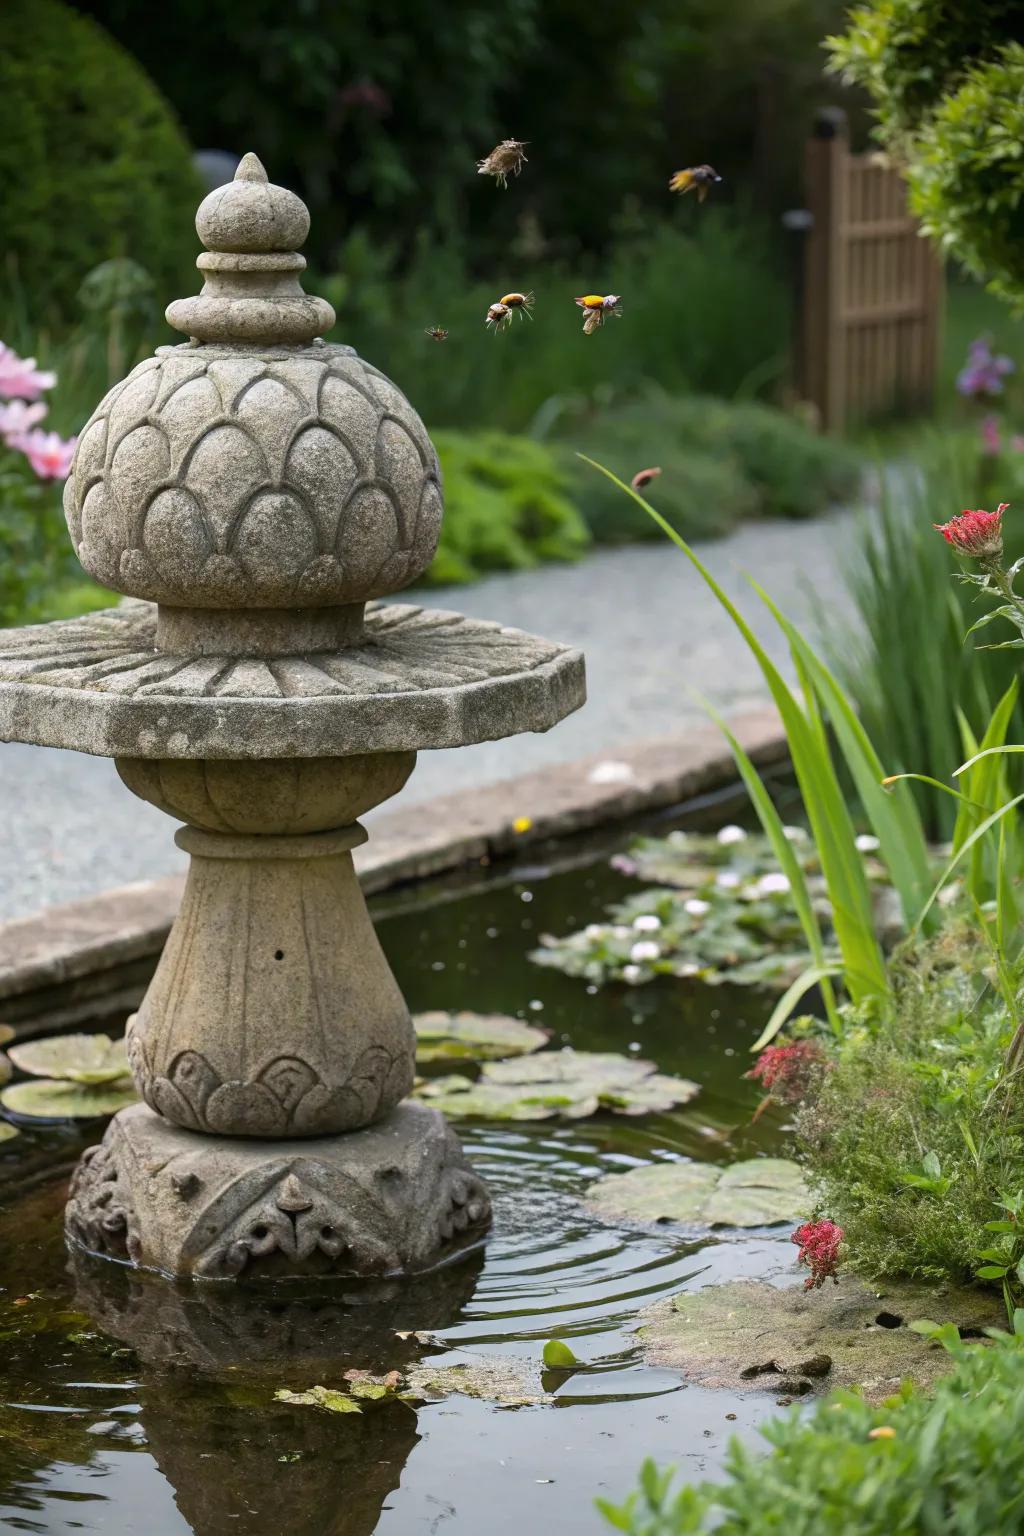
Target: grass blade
x=783 y=1009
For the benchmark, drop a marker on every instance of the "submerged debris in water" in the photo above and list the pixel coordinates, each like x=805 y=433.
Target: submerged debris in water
x=758 y=1192
x=748 y=1333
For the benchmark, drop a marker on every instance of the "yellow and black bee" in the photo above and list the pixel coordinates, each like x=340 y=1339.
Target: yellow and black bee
x=596 y=308
x=436 y=333
x=505 y=159
x=696 y=178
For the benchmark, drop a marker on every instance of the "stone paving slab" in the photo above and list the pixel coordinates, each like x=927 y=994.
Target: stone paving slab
x=651 y=634
x=93 y=957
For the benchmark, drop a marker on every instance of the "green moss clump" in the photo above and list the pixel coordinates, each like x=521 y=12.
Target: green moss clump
x=914 y=1137
x=92 y=162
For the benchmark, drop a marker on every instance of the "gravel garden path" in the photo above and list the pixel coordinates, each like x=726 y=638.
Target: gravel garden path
x=652 y=634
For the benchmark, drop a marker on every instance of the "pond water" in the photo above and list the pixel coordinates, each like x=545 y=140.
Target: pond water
x=130 y=1405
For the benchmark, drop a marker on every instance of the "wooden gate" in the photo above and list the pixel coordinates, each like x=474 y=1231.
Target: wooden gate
x=873 y=287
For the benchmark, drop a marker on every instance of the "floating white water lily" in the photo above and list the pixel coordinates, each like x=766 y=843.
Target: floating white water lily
x=645 y=949
x=647 y=923
x=731 y=834
x=866 y=843
x=772 y=885
x=697 y=907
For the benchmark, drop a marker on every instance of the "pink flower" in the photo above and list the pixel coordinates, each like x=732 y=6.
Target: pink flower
x=990 y=436
x=788 y=1071
x=819 y=1249
x=20 y=379
x=18 y=417
x=49 y=454
x=978 y=534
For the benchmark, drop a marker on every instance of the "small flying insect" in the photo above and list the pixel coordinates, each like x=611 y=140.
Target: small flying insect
x=596 y=308
x=499 y=315
x=505 y=159
x=436 y=333
x=643 y=477
x=696 y=178
x=521 y=303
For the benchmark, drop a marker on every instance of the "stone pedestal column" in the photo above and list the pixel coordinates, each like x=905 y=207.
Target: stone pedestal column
x=254 y=492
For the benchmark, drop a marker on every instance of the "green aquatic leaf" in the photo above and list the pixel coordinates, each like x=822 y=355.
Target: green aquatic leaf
x=88 y=1059
x=464 y=1036
x=52 y=1099
x=7 y=1130
x=6 y=1033
x=319 y=1397
x=758 y=1192
x=558 y=1356
x=6 y=1070
x=567 y=1084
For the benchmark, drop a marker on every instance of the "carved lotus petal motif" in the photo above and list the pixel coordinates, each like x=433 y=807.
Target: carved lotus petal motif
x=185 y=460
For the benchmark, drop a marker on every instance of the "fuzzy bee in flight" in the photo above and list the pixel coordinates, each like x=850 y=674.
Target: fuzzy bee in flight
x=696 y=178
x=436 y=333
x=505 y=159
x=596 y=308
x=500 y=313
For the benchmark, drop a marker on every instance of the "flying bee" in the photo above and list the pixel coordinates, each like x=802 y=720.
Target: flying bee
x=696 y=178
x=521 y=302
x=498 y=315
x=436 y=333
x=643 y=477
x=596 y=308
x=505 y=159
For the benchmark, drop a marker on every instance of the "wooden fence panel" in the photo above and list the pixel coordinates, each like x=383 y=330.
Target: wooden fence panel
x=873 y=288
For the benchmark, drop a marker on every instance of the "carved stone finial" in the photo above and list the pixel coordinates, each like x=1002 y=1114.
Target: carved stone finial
x=252 y=231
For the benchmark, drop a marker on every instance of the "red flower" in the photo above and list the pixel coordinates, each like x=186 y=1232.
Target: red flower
x=819 y=1249
x=787 y=1071
x=978 y=534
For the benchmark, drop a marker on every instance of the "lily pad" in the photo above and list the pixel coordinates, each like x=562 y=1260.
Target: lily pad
x=7 y=1130
x=750 y=1334
x=86 y=1059
x=569 y=1084
x=6 y=1033
x=504 y=1380
x=558 y=1356
x=50 y=1099
x=467 y=1036
x=6 y=1070
x=759 y=1192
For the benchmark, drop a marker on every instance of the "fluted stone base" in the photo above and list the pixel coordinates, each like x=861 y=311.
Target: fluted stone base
x=397 y=1197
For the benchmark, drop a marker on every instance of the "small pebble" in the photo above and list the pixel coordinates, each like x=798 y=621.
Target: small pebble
x=730 y=1416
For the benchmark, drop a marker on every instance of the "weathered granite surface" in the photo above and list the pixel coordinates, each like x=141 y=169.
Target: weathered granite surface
x=390 y=1198
x=420 y=679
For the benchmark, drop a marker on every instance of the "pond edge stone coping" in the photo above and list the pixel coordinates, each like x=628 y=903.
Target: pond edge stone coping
x=92 y=958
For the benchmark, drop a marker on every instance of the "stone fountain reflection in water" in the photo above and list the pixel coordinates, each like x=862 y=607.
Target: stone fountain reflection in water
x=251 y=492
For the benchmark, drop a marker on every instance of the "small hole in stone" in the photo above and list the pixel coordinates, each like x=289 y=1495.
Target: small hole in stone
x=259 y=1232
x=278 y=954
x=326 y=1231
x=889 y=1320
x=972 y=1333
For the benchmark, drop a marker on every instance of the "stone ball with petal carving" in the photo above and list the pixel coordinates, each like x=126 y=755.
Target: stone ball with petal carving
x=225 y=477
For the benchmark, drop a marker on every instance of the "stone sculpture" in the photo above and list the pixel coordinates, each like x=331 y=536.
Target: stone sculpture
x=254 y=493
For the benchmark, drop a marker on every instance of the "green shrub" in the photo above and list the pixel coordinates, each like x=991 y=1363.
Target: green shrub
x=92 y=163
x=966 y=174
x=946 y=1464
x=506 y=507
x=902 y=656
x=947 y=80
x=913 y=1138
x=720 y=462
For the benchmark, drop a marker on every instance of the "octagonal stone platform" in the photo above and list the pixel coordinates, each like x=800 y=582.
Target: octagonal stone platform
x=420 y=679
